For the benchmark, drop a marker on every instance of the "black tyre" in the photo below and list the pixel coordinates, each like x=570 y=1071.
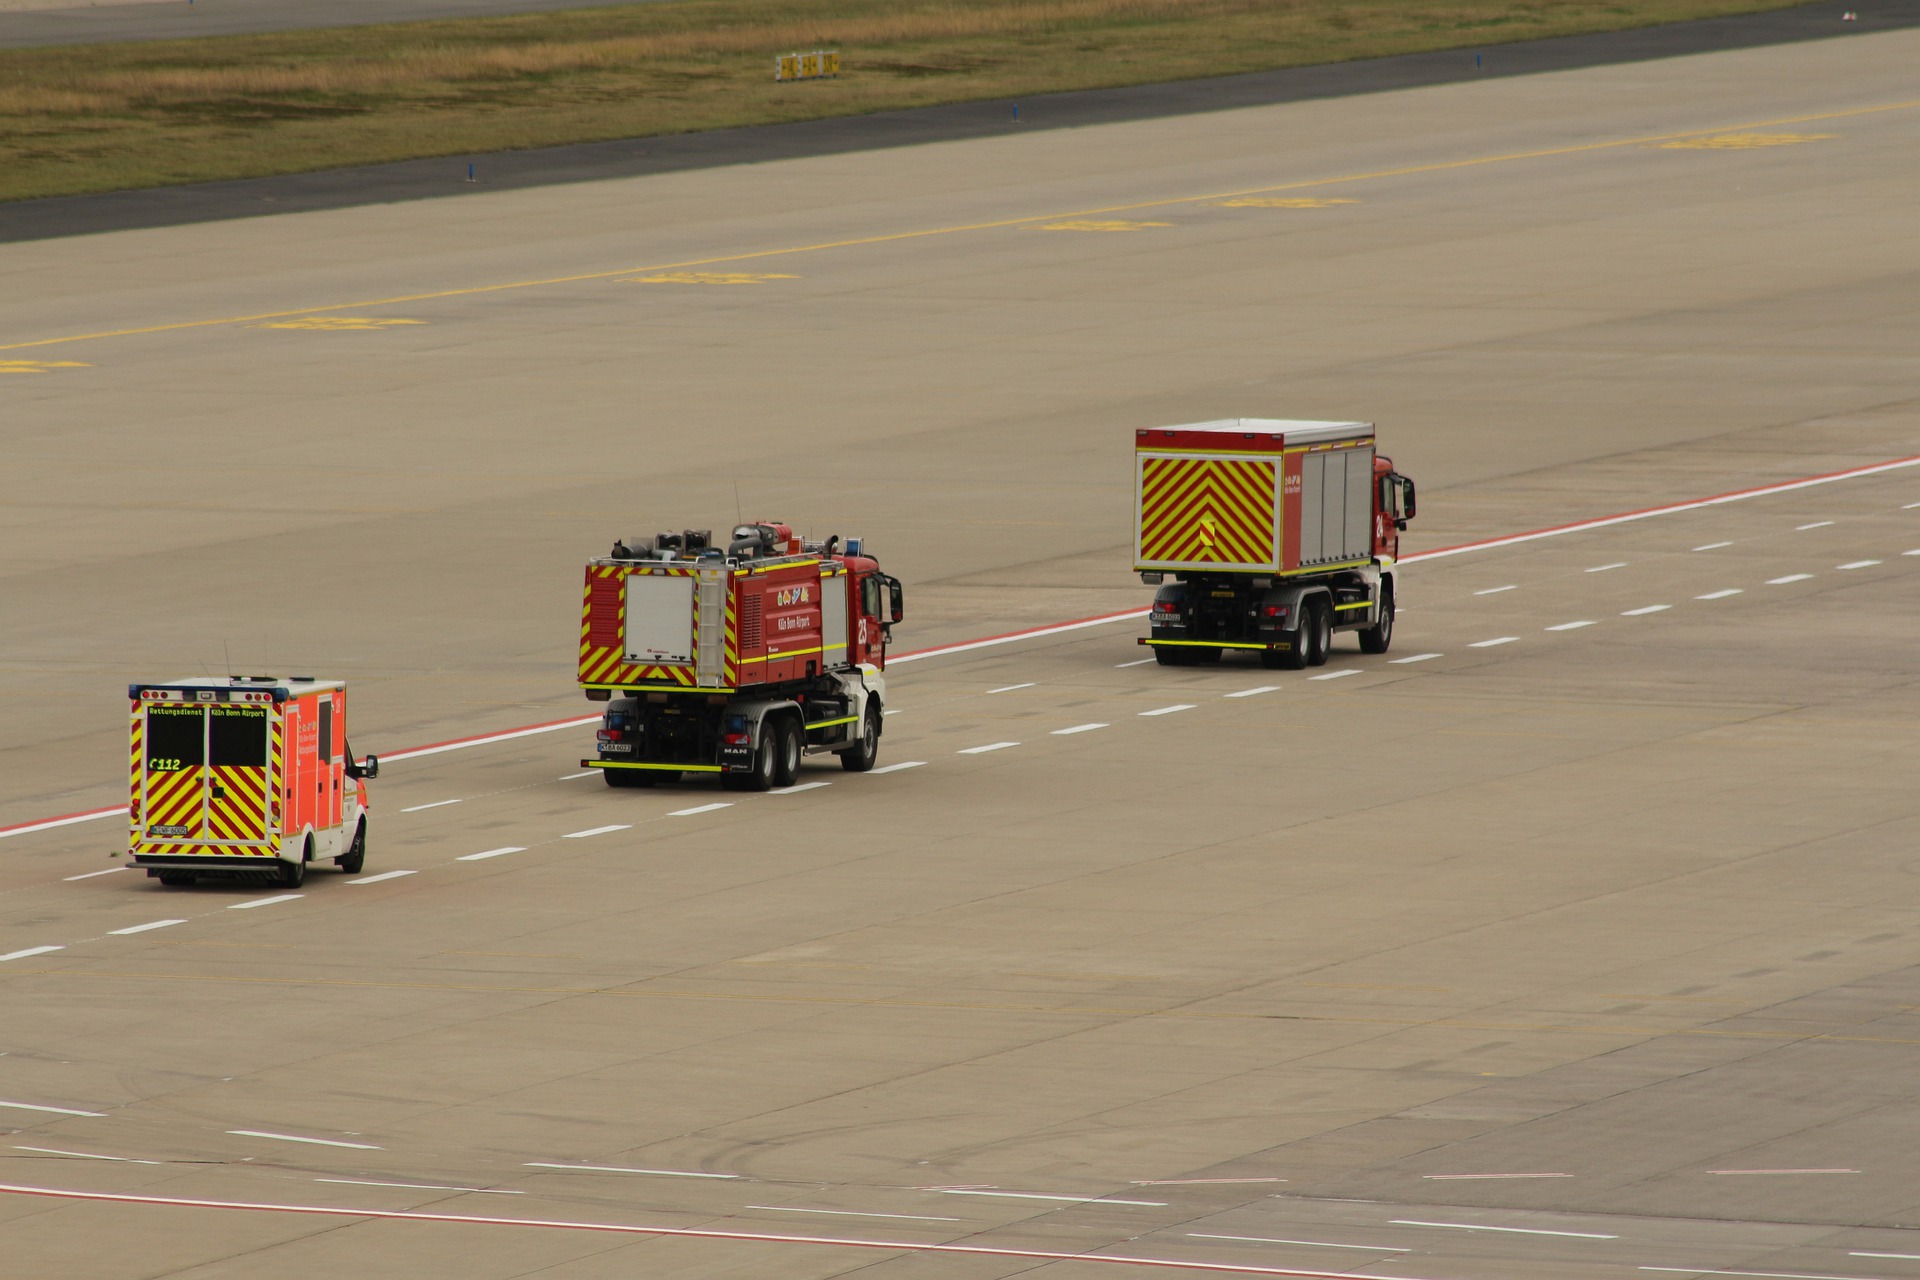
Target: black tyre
x=1377 y=637
x=1169 y=656
x=176 y=878
x=355 y=857
x=1204 y=654
x=866 y=750
x=294 y=874
x=636 y=777
x=1319 y=633
x=787 y=744
x=766 y=762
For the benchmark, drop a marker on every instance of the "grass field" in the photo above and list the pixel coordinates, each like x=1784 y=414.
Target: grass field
x=109 y=117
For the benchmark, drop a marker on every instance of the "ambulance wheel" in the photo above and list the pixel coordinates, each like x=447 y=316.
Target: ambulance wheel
x=294 y=874
x=862 y=755
x=1319 y=633
x=787 y=744
x=1377 y=637
x=356 y=855
x=176 y=877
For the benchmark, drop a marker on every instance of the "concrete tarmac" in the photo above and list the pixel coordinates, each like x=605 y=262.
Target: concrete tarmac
x=1573 y=937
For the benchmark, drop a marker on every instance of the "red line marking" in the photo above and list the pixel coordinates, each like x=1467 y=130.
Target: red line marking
x=1484 y=544
x=907 y=1246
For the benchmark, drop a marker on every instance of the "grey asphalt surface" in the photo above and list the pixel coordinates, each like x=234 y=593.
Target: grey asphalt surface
x=1574 y=939
x=445 y=177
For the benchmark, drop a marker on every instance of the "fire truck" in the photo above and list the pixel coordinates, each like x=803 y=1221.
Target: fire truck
x=1268 y=536
x=245 y=775
x=735 y=661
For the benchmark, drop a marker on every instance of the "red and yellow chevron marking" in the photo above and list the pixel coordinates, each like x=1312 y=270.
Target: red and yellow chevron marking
x=276 y=779
x=150 y=849
x=237 y=803
x=138 y=736
x=174 y=799
x=607 y=664
x=1207 y=511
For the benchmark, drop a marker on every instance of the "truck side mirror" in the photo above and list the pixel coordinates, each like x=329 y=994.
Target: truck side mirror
x=368 y=768
x=1406 y=486
x=896 y=600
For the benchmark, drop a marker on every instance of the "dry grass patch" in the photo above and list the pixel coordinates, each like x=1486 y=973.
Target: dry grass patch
x=103 y=117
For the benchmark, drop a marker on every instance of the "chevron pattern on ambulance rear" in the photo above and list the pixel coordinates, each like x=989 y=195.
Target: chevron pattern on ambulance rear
x=1207 y=511
x=175 y=799
x=237 y=803
x=138 y=737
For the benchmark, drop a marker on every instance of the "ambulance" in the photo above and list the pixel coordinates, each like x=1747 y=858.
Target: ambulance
x=236 y=775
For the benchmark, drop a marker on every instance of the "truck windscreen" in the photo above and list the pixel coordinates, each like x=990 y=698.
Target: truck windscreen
x=238 y=736
x=176 y=738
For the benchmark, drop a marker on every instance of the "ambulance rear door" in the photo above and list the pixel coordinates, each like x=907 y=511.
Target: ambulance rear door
x=173 y=791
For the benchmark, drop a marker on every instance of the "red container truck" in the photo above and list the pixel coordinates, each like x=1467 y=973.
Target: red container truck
x=735 y=661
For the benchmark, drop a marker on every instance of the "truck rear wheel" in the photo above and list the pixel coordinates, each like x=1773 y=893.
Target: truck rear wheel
x=638 y=777
x=176 y=877
x=1319 y=636
x=1168 y=656
x=786 y=759
x=861 y=756
x=765 y=762
x=1377 y=637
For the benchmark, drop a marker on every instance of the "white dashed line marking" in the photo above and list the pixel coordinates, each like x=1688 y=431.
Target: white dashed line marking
x=291 y=1137
x=1572 y=626
x=88 y=1155
x=1519 y=1231
x=142 y=928
x=895 y=768
x=991 y=746
x=1777 y=1275
x=1792 y=577
x=1914 y=552
x=420 y=1186
x=699 y=808
x=1644 y=610
x=384 y=875
x=1859 y=564
x=1418 y=657
x=265 y=902
x=1747 y=1172
x=1602 y=568
x=797 y=788
x=1034 y=1195
x=1248 y=693
x=437 y=804
x=91 y=874
x=489 y=853
x=1722 y=594
x=597 y=831
x=1005 y=688
x=569 y=777
x=615 y=1168
x=22 y=955
x=851 y=1213
x=1078 y=728
x=1713 y=546
x=1851 y=1253
x=1494 y=591
x=1318 y=1244
x=1137 y=662
x=58 y=1111
x=1817 y=524
x=1167 y=711
x=1335 y=675
x=894 y=712
x=1466 y=1177
x=1488 y=644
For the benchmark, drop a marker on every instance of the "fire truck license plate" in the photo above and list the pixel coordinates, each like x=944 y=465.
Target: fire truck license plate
x=616 y=748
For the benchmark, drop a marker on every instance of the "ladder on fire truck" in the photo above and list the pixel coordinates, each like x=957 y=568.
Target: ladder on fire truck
x=710 y=603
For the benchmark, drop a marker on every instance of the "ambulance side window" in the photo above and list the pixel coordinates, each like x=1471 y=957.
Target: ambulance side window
x=176 y=738
x=238 y=736
x=326 y=730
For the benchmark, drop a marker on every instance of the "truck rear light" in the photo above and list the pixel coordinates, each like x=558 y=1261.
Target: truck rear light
x=737 y=739
x=1165 y=606
x=1275 y=611
x=608 y=735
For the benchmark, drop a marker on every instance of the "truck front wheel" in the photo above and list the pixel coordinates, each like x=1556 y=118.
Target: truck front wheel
x=861 y=756
x=1377 y=637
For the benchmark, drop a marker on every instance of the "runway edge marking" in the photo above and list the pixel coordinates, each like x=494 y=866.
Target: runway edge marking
x=1057 y=628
